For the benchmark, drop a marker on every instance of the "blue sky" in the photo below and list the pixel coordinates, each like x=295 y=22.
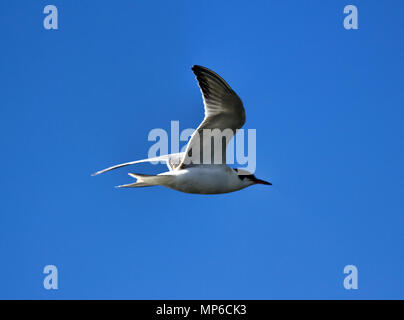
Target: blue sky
x=327 y=105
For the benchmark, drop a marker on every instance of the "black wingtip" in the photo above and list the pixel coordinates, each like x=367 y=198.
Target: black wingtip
x=204 y=72
x=196 y=67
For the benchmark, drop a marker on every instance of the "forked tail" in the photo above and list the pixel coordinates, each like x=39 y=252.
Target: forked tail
x=144 y=180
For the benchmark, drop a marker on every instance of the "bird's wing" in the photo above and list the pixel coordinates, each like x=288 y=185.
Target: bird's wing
x=223 y=110
x=172 y=161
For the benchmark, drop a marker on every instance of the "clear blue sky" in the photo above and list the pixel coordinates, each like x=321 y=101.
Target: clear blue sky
x=328 y=107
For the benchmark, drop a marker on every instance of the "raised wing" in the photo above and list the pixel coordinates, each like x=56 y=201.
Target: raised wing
x=224 y=114
x=172 y=161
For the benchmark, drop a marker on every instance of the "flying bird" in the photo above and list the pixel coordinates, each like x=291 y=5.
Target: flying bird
x=202 y=168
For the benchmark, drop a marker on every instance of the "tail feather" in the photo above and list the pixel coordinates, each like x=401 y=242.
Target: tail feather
x=134 y=185
x=143 y=180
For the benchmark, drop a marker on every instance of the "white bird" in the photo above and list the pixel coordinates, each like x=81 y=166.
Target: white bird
x=187 y=171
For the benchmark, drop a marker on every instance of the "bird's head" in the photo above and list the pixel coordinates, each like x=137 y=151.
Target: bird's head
x=249 y=179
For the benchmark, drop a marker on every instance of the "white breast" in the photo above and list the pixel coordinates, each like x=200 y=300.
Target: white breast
x=204 y=179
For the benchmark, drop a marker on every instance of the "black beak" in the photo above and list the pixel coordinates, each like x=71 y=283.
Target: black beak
x=259 y=181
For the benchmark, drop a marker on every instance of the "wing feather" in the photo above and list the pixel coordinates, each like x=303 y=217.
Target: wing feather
x=172 y=161
x=223 y=110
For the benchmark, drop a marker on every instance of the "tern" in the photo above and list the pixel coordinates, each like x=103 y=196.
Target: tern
x=224 y=111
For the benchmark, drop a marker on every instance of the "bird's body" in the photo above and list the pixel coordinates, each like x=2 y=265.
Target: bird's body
x=190 y=171
x=204 y=179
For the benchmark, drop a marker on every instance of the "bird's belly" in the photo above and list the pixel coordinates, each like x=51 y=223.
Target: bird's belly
x=203 y=181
